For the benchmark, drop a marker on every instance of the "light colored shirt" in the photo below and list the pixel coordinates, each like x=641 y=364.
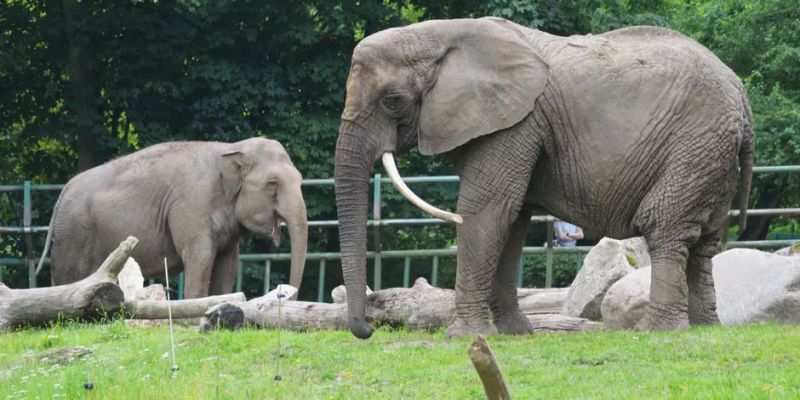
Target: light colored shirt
x=568 y=229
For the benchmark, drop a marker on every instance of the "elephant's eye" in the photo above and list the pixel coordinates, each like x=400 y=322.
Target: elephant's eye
x=272 y=185
x=393 y=102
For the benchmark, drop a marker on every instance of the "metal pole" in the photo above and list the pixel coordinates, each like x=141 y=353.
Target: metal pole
x=376 y=216
x=321 y=285
x=435 y=272
x=181 y=283
x=548 y=276
x=239 y=270
x=28 y=233
x=267 y=274
x=520 y=267
x=406 y=271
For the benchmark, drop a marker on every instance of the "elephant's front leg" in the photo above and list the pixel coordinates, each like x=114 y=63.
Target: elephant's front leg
x=495 y=171
x=226 y=266
x=506 y=315
x=198 y=263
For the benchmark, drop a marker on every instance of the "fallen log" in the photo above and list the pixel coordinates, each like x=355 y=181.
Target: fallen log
x=191 y=308
x=488 y=370
x=93 y=296
x=421 y=306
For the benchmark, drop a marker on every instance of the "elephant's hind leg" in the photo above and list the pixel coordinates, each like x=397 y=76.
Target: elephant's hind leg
x=506 y=315
x=225 y=267
x=702 y=296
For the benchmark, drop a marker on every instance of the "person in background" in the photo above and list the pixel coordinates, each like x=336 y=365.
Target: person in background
x=567 y=234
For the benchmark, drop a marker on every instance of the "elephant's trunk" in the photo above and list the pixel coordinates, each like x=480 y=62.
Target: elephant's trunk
x=297 y=224
x=354 y=157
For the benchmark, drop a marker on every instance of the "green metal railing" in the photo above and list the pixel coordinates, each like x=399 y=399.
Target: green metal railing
x=378 y=254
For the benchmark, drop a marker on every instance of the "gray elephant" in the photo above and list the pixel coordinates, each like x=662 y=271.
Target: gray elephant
x=634 y=132
x=187 y=201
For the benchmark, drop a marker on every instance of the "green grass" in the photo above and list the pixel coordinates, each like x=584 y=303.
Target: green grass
x=753 y=362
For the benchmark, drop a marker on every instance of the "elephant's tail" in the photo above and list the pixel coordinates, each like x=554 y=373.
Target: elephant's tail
x=746 y=155
x=49 y=232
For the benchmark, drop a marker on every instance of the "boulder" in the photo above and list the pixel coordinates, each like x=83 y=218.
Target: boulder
x=754 y=286
x=624 y=303
x=793 y=250
x=751 y=285
x=130 y=279
x=606 y=263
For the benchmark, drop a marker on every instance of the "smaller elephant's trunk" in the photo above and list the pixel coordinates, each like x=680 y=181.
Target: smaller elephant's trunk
x=297 y=224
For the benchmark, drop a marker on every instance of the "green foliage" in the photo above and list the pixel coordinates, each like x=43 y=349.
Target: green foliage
x=757 y=361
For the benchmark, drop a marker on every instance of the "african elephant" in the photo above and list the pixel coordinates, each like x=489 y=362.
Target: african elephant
x=187 y=201
x=635 y=132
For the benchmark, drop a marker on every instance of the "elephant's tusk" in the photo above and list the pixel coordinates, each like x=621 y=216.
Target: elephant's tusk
x=394 y=175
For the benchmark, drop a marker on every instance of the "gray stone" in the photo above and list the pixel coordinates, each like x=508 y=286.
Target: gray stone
x=606 y=263
x=624 y=303
x=793 y=250
x=754 y=286
x=130 y=279
x=547 y=301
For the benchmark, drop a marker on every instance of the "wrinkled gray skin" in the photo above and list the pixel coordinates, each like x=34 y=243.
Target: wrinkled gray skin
x=632 y=132
x=187 y=201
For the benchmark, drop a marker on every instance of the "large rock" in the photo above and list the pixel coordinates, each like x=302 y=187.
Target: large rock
x=754 y=286
x=793 y=250
x=606 y=263
x=130 y=279
x=624 y=303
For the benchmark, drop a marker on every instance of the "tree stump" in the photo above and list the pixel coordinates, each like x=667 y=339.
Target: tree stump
x=491 y=376
x=95 y=295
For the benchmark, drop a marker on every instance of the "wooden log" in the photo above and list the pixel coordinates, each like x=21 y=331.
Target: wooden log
x=191 y=308
x=494 y=385
x=93 y=296
x=418 y=307
x=562 y=323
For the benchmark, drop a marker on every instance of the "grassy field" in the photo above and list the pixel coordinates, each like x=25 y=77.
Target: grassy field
x=133 y=363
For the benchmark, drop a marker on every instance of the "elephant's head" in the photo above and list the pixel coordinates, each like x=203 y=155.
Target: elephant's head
x=263 y=185
x=436 y=84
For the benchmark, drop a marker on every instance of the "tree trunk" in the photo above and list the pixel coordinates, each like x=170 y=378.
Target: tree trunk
x=95 y=295
x=85 y=98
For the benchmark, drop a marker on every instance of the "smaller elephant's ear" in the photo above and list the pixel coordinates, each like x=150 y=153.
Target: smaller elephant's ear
x=488 y=80
x=232 y=166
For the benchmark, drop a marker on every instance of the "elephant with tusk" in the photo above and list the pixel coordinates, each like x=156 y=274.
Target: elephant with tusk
x=634 y=132
x=187 y=201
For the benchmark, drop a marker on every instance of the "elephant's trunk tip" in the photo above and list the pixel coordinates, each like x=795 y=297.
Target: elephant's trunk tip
x=360 y=328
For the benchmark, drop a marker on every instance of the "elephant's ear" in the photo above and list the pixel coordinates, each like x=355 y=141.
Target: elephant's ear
x=232 y=166
x=488 y=80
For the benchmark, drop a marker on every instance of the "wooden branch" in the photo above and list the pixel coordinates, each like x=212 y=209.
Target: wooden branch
x=94 y=295
x=191 y=308
x=484 y=362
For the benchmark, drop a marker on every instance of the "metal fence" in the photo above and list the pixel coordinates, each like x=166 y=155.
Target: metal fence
x=377 y=254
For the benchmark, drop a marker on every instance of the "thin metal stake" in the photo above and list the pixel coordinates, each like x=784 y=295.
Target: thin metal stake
x=169 y=314
x=281 y=296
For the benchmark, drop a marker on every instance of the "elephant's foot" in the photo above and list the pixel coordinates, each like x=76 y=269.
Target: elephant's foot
x=703 y=316
x=462 y=327
x=513 y=323
x=663 y=318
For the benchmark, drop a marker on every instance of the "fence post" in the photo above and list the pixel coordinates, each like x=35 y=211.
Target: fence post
x=406 y=271
x=267 y=274
x=239 y=269
x=28 y=233
x=548 y=275
x=435 y=272
x=321 y=285
x=520 y=267
x=376 y=217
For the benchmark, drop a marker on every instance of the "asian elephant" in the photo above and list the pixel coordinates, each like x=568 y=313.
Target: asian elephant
x=187 y=201
x=635 y=132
